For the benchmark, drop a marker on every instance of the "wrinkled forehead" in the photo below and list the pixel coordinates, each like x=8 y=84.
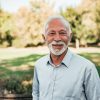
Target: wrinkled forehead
x=55 y=24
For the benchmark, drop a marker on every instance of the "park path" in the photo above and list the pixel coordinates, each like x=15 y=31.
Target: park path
x=7 y=53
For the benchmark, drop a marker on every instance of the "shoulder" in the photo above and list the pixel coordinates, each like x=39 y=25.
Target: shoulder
x=42 y=60
x=82 y=61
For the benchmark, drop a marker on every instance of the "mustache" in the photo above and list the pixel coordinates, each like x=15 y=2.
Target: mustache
x=57 y=42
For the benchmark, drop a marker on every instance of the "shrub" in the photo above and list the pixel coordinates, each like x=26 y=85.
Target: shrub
x=16 y=86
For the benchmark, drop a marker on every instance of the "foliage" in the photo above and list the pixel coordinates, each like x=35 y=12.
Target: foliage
x=97 y=18
x=15 y=85
x=88 y=7
x=17 y=74
x=6 y=29
x=24 y=28
x=75 y=19
x=84 y=21
x=29 y=24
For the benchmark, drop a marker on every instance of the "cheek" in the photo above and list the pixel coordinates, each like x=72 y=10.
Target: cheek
x=49 y=39
x=65 y=39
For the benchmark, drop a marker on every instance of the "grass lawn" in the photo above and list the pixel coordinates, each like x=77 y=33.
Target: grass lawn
x=21 y=70
x=95 y=58
x=16 y=74
x=19 y=67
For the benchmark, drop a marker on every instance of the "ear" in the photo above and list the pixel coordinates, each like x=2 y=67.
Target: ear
x=43 y=37
x=70 y=37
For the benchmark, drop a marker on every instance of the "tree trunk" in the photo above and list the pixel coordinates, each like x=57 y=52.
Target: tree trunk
x=77 y=43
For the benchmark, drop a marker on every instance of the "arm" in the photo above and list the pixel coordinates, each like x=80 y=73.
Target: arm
x=35 y=91
x=92 y=84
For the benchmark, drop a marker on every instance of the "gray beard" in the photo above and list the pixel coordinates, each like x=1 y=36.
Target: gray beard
x=57 y=51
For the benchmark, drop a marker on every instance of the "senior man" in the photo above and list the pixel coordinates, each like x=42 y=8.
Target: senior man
x=63 y=75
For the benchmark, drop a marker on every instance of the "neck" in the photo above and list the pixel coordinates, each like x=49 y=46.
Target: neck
x=57 y=59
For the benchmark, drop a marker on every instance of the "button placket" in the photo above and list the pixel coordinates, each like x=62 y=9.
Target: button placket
x=54 y=80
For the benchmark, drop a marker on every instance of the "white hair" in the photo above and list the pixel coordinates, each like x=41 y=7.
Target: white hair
x=62 y=19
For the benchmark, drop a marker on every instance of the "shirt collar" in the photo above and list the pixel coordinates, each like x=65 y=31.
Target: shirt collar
x=66 y=60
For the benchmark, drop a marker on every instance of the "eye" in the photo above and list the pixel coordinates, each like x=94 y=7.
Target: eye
x=63 y=33
x=51 y=33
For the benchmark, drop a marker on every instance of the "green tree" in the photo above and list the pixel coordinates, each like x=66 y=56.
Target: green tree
x=6 y=29
x=88 y=10
x=97 y=19
x=75 y=19
x=29 y=23
x=85 y=22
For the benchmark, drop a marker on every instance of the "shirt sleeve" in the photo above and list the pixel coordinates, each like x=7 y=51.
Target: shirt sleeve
x=92 y=84
x=35 y=91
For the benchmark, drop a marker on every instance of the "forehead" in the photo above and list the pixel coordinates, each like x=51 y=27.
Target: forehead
x=56 y=23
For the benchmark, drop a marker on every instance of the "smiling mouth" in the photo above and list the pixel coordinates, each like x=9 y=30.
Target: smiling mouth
x=57 y=46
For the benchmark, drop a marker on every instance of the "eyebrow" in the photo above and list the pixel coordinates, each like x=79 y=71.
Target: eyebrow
x=63 y=30
x=58 y=31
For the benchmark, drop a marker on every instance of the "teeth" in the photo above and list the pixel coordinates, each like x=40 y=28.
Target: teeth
x=57 y=50
x=58 y=44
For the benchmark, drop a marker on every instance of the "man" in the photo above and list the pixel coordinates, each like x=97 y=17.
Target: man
x=63 y=75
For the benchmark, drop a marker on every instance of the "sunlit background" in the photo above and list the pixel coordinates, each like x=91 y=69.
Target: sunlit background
x=14 y=5
x=21 y=42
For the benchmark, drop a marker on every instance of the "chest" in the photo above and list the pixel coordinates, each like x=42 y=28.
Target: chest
x=68 y=81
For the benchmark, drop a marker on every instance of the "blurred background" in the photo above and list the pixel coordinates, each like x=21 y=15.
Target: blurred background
x=21 y=42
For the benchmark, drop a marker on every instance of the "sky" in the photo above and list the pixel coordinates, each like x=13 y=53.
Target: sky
x=14 y=5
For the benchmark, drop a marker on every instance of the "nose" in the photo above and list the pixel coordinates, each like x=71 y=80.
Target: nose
x=57 y=37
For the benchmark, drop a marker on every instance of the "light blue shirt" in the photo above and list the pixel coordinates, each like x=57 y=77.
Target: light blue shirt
x=76 y=78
